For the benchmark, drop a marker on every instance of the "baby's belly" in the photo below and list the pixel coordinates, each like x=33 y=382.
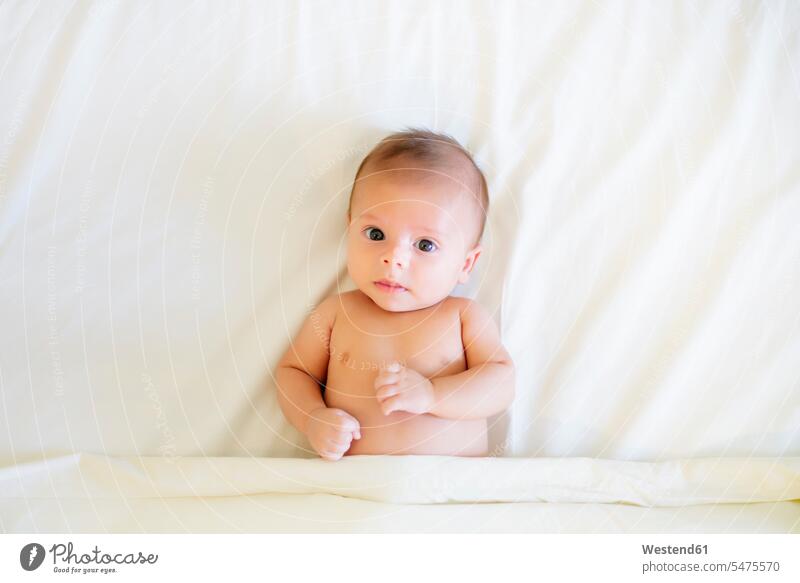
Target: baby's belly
x=405 y=433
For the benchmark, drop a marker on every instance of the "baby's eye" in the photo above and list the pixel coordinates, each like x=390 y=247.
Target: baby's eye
x=374 y=234
x=426 y=245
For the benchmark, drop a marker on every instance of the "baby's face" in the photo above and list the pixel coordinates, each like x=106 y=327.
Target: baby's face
x=415 y=230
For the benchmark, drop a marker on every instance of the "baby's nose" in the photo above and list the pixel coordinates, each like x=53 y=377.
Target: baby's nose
x=395 y=260
x=396 y=257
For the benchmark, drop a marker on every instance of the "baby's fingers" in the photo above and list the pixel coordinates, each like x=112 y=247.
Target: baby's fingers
x=392 y=404
x=386 y=378
x=387 y=391
x=394 y=367
x=348 y=423
x=331 y=457
x=333 y=450
x=340 y=443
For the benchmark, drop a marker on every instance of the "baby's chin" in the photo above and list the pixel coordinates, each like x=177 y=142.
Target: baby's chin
x=402 y=302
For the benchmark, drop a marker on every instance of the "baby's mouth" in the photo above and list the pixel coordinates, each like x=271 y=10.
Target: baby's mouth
x=389 y=286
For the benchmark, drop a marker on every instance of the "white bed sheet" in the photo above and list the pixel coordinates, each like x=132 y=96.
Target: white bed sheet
x=173 y=180
x=327 y=513
x=84 y=493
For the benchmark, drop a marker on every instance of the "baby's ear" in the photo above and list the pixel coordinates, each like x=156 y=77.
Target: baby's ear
x=469 y=264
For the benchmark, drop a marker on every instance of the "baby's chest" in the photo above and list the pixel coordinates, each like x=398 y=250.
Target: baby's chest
x=433 y=349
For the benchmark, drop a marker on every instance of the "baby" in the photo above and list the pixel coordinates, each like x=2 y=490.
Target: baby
x=405 y=368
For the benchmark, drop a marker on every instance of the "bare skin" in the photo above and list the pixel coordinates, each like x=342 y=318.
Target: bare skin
x=366 y=340
x=407 y=368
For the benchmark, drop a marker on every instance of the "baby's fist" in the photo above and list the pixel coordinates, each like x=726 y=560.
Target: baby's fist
x=400 y=388
x=331 y=431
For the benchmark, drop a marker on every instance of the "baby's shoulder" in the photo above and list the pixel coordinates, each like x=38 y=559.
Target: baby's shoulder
x=324 y=313
x=460 y=304
x=470 y=312
x=330 y=306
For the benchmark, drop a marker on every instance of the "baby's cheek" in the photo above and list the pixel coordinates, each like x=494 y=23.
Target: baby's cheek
x=447 y=270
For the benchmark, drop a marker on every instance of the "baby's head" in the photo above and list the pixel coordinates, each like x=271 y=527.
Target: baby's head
x=415 y=219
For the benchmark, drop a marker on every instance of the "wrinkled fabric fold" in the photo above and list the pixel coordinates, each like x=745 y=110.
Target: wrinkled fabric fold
x=413 y=479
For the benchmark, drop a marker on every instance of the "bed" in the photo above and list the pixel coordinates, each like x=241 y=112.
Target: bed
x=173 y=184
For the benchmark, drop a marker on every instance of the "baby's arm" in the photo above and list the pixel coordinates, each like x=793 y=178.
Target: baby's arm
x=301 y=370
x=487 y=386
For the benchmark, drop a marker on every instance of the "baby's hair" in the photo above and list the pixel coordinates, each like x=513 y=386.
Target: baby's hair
x=433 y=150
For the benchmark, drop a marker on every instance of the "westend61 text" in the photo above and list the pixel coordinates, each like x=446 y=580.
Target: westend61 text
x=670 y=550
x=59 y=551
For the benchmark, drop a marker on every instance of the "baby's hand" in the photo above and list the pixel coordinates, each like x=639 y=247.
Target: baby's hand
x=330 y=432
x=400 y=388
